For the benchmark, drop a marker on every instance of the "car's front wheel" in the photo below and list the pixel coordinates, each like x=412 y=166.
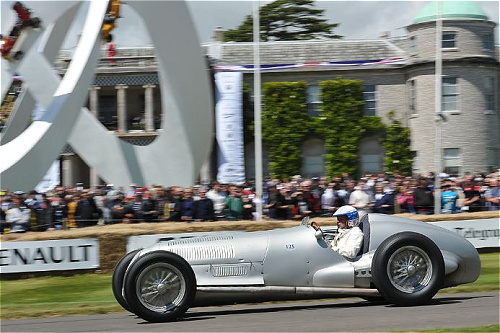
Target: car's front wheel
x=118 y=276
x=408 y=269
x=160 y=286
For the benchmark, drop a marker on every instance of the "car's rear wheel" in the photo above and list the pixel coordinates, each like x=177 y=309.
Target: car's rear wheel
x=408 y=269
x=160 y=286
x=118 y=276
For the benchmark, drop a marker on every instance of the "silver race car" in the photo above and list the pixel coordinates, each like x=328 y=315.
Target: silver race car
x=401 y=261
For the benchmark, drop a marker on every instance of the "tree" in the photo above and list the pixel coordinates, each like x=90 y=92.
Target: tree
x=285 y=20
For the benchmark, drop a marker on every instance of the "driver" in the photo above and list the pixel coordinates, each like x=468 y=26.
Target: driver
x=349 y=238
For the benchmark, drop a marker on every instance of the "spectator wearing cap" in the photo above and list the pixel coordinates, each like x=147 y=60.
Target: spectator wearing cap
x=132 y=190
x=472 y=202
x=448 y=198
x=133 y=210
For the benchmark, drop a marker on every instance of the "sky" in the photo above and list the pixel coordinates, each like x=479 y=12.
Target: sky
x=357 y=19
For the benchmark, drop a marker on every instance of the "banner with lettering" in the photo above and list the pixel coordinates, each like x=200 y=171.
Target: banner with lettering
x=229 y=128
x=482 y=233
x=49 y=255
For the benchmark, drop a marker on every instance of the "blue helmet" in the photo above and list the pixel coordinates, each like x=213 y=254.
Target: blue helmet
x=351 y=213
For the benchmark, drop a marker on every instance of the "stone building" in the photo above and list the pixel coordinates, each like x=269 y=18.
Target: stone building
x=398 y=74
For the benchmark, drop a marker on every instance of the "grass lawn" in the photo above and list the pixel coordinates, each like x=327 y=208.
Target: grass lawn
x=91 y=293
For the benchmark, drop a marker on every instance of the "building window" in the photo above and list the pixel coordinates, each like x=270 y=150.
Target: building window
x=412 y=97
x=413 y=45
x=488 y=42
x=313 y=101
x=492 y=159
x=451 y=157
x=313 y=160
x=369 y=96
x=450 y=94
x=489 y=94
x=371 y=163
x=449 y=40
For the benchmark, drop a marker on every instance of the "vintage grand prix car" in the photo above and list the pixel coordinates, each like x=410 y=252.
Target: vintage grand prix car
x=401 y=261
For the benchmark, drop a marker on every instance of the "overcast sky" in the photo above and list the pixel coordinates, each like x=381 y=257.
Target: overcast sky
x=357 y=19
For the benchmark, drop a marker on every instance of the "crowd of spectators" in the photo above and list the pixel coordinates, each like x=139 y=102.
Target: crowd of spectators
x=283 y=199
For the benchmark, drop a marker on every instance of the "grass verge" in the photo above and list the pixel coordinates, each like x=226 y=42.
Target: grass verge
x=91 y=293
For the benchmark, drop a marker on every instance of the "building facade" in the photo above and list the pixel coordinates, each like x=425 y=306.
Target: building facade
x=398 y=76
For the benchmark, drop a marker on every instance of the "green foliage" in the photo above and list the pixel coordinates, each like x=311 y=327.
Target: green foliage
x=285 y=20
x=284 y=125
x=342 y=109
x=397 y=147
x=248 y=114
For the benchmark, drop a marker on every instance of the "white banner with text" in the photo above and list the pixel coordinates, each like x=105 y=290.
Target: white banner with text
x=481 y=233
x=49 y=255
x=229 y=128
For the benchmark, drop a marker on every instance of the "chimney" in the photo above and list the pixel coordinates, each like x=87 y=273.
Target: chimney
x=219 y=34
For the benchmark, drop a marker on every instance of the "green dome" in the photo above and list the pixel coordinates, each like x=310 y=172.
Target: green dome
x=468 y=10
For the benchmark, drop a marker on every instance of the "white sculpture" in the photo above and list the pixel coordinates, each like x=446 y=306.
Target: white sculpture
x=175 y=157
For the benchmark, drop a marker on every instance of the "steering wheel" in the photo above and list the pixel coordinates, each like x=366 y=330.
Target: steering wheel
x=319 y=233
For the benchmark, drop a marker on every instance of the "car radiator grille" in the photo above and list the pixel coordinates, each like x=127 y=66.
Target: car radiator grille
x=193 y=240
x=230 y=270
x=204 y=252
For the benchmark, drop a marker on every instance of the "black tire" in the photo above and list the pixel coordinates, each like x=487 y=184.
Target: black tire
x=408 y=269
x=118 y=276
x=160 y=286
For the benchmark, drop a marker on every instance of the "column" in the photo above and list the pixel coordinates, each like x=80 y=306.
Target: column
x=149 y=107
x=94 y=100
x=68 y=170
x=121 y=104
x=94 y=177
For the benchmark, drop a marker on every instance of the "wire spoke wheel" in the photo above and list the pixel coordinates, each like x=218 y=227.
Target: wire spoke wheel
x=409 y=269
x=161 y=287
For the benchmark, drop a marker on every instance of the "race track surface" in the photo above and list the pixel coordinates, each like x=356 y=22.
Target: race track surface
x=333 y=315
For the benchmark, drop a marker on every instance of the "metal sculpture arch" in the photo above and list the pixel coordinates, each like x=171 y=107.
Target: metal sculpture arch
x=175 y=157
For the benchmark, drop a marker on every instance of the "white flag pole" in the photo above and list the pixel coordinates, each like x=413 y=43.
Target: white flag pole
x=438 y=106
x=257 y=111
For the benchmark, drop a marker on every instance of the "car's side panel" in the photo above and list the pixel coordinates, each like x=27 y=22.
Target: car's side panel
x=295 y=257
x=232 y=258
